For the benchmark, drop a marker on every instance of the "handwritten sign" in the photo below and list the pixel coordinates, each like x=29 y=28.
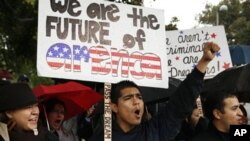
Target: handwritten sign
x=101 y=41
x=185 y=48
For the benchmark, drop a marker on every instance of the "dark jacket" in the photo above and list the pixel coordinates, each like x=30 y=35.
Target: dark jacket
x=51 y=136
x=188 y=132
x=1 y=138
x=20 y=135
x=165 y=125
x=212 y=134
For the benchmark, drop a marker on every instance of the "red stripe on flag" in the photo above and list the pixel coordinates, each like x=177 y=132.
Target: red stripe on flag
x=101 y=69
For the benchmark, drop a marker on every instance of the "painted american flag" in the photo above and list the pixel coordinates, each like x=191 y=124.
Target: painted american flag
x=80 y=53
x=59 y=55
x=139 y=65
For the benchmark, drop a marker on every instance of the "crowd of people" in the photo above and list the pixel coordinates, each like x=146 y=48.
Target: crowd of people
x=21 y=118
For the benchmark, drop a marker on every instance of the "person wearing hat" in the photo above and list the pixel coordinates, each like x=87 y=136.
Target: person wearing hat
x=19 y=106
x=23 y=79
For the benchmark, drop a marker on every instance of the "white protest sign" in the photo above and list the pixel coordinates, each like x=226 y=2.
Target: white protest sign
x=185 y=48
x=101 y=41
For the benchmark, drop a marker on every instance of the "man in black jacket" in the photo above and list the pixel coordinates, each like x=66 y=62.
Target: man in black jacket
x=128 y=107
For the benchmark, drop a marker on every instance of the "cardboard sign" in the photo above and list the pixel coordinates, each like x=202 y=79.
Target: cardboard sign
x=185 y=48
x=101 y=41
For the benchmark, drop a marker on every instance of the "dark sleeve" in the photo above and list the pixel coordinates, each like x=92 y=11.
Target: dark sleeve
x=180 y=104
x=49 y=136
x=202 y=125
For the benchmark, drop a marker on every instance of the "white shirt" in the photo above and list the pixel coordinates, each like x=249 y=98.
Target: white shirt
x=4 y=131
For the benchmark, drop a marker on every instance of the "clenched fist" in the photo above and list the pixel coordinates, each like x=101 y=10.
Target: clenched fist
x=209 y=50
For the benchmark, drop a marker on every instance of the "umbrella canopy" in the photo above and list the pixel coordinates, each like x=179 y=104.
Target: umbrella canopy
x=76 y=97
x=235 y=80
x=154 y=95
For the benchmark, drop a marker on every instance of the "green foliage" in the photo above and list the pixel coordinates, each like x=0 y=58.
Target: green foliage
x=18 y=29
x=172 y=25
x=235 y=20
x=18 y=32
x=28 y=67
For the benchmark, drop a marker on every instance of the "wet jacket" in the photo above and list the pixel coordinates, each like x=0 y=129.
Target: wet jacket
x=166 y=124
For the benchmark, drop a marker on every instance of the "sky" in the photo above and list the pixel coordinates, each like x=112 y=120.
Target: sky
x=185 y=10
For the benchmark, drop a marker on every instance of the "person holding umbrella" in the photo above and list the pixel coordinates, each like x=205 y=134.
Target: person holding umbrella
x=54 y=117
x=128 y=107
x=72 y=99
x=19 y=108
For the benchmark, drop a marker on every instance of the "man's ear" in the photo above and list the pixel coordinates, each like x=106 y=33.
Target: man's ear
x=217 y=113
x=114 y=107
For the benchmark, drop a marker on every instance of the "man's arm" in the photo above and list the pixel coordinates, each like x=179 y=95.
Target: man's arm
x=182 y=102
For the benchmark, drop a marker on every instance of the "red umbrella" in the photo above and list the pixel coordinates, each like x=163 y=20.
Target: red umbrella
x=76 y=97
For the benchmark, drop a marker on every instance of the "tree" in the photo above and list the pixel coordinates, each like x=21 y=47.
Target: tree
x=18 y=37
x=236 y=19
x=172 y=25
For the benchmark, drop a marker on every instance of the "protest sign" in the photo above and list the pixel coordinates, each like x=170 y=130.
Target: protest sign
x=185 y=48
x=101 y=41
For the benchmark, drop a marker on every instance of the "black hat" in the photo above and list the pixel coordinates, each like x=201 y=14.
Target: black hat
x=23 y=78
x=15 y=96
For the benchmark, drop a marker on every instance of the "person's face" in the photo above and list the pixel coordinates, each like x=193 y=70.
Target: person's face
x=195 y=117
x=231 y=115
x=56 y=116
x=25 y=118
x=129 y=109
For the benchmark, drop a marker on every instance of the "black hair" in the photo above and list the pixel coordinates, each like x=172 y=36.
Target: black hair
x=50 y=104
x=190 y=115
x=243 y=110
x=118 y=87
x=215 y=100
x=23 y=78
